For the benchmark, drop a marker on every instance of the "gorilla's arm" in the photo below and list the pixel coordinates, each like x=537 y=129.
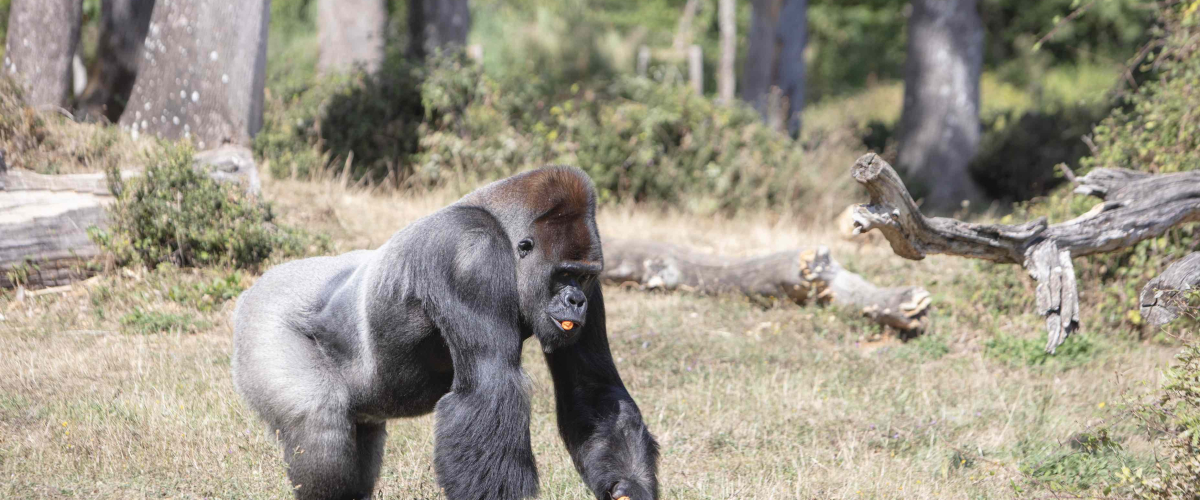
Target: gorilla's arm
x=482 y=440
x=597 y=418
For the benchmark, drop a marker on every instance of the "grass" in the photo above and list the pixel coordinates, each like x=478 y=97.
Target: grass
x=746 y=402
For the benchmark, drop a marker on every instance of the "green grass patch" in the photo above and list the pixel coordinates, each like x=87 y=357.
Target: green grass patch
x=207 y=295
x=1010 y=349
x=145 y=322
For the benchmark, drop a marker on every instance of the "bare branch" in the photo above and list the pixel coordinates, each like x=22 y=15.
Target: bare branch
x=1161 y=300
x=1136 y=206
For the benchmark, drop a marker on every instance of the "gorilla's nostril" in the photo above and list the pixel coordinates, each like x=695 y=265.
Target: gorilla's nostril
x=576 y=298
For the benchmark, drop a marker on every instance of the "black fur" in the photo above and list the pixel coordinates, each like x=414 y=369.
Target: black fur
x=327 y=349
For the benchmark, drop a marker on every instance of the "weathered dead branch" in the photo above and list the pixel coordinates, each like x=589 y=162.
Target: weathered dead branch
x=1136 y=206
x=1162 y=298
x=800 y=276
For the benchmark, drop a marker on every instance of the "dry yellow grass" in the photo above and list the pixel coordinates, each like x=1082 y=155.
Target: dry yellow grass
x=746 y=402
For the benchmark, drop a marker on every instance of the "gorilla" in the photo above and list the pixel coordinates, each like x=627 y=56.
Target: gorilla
x=327 y=349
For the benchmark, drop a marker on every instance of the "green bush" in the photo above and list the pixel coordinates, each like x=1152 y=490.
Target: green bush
x=639 y=140
x=375 y=117
x=175 y=213
x=1175 y=419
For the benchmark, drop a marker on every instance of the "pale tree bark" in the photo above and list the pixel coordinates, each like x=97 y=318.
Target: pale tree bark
x=1136 y=206
x=123 y=27
x=202 y=73
x=683 y=32
x=42 y=35
x=727 y=19
x=939 y=127
x=696 y=69
x=801 y=277
x=351 y=34
x=437 y=24
x=775 y=58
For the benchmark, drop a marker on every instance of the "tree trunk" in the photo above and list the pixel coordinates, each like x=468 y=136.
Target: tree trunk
x=778 y=35
x=123 y=27
x=797 y=276
x=42 y=35
x=1136 y=206
x=202 y=73
x=939 y=127
x=727 y=18
x=696 y=69
x=351 y=34
x=437 y=24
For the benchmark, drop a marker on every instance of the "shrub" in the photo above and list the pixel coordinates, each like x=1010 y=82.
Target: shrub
x=639 y=140
x=375 y=117
x=1176 y=418
x=176 y=213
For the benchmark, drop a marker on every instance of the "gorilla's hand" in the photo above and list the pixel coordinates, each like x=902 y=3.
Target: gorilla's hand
x=629 y=490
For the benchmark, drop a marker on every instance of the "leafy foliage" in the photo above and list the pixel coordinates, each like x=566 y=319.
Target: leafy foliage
x=1176 y=416
x=638 y=139
x=208 y=295
x=175 y=213
x=1092 y=459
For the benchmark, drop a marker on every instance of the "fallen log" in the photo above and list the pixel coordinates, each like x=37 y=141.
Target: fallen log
x=1164 y=298
x=799 y=276
x=1136 y=206
x=43 y=227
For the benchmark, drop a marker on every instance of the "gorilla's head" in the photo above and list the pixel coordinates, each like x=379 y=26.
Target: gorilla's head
x=550 y=217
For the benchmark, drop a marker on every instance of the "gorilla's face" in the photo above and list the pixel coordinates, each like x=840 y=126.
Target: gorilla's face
x=559 y=266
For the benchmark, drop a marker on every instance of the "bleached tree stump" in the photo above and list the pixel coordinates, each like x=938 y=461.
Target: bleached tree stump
x=800 y=276
x=43 y=227
x=1136 y=206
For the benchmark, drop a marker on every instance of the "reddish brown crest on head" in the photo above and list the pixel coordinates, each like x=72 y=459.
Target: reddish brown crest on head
x=559 y=202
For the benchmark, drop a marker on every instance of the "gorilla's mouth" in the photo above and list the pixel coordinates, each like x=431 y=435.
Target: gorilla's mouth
x=569 y=323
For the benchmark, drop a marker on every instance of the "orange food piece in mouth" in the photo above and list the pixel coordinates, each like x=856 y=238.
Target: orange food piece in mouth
x=567 y=325
x=623 y=498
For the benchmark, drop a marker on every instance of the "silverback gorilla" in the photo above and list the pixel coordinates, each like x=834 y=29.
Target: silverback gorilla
x=327 y=349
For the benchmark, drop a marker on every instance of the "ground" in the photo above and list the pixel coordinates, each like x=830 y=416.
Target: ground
x=121 y=386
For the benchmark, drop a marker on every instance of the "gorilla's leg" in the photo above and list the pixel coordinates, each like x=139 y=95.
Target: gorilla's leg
x=322 y=454
x=370 y=439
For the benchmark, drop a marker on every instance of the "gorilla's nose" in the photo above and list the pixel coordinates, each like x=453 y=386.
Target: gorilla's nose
x=576 y=298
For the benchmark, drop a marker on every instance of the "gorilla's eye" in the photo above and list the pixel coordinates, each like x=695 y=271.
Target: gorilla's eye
x=525 y=246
